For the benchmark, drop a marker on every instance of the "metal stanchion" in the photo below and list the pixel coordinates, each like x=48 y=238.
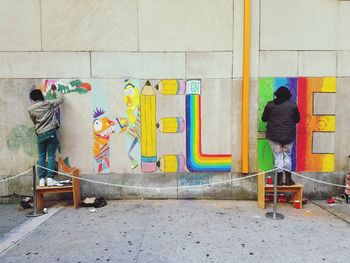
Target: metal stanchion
x=274 y=214
x=35 y=212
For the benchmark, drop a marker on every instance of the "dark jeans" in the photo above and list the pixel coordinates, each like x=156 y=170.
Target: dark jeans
x=47 y=145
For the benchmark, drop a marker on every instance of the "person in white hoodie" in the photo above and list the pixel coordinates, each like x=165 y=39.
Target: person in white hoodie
x=42 y=113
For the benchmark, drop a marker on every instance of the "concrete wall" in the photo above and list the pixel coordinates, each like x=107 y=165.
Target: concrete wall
x=102 y=42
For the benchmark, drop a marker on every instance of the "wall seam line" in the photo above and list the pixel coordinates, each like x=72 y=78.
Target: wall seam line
x=41 y=27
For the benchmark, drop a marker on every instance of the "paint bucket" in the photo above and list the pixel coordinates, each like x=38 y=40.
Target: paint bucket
x=282 y=198
x=267 y=198
x=269 y=180
x=297 y=204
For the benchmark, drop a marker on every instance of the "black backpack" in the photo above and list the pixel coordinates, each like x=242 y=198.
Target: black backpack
x=93 y=202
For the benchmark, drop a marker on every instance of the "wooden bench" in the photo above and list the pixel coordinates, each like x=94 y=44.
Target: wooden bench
x=74 y=189
x=263 y=188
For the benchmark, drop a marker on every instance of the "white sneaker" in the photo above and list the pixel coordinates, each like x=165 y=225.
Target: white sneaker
x=42 y=182
x=52 y=182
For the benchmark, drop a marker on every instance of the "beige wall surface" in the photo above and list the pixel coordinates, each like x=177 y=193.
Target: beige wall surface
x=89 y=25
x=103 y=42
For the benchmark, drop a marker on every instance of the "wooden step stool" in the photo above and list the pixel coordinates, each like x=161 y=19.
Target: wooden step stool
x=263 y=188
x=74 y=188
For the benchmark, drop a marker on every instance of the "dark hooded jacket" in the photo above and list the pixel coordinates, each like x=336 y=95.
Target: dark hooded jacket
x=281 y=116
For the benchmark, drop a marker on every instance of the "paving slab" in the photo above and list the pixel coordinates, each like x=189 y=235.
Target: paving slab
x=10 y=218
x=341 y=210
x=185 y=231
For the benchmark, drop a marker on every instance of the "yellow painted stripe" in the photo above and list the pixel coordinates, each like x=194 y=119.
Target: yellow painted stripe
x=327 y=163
x=169 y=164
x=169 y=87
x=329 y=85
x=148 y=122
x=168 y=125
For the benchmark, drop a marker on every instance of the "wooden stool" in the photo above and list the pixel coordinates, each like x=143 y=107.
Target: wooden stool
x=263 y=188
x=74 y=188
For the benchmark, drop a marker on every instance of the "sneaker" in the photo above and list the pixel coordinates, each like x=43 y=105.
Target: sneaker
x=52 y=182
x=42 y=182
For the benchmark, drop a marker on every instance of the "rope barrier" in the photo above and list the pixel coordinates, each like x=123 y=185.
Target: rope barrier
x=170 y=188
x=158 y=188
x=13 y=177
x=315 y=180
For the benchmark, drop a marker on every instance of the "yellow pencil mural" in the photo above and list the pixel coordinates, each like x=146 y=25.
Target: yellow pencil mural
x=172 y=163
x=148 y=129
x=171 y=87
x=171 y=125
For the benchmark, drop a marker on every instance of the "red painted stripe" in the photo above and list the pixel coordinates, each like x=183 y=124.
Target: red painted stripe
x=302 y=125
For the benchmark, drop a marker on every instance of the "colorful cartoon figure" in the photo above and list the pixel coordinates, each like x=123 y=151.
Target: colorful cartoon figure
x=131 y=124
x=103 y=128
x=74 y=86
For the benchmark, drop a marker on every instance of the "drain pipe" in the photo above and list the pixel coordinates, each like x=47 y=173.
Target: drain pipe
x=245 y=89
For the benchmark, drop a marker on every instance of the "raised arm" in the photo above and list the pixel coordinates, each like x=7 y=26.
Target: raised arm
x=59 y=97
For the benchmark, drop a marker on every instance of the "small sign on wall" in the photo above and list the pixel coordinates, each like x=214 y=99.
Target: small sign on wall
x=193 y=86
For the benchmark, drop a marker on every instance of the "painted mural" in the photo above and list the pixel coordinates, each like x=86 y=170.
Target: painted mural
x=148 y=129
x=197 y=161
x=130 y=125
x=171 y=87
x=171 y=163
x=24 y=137
x=306 y=159
x=73 y=86
x=140 y=127
x=302 y=89
x=267 y=86
x=129 y=108
x=103 y=128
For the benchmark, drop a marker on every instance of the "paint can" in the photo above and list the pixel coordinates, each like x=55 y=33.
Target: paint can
x=282 y=198
x=297 y=204
x=267 y=198
x=269 y=180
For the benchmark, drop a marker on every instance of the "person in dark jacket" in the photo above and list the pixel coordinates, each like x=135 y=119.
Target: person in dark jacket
x=281 y=115
x=42 y=113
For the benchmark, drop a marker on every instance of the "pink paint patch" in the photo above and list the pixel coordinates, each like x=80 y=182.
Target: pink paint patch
x=181 y=125
x=181 y=163
x=148 y=167
x=182 y=87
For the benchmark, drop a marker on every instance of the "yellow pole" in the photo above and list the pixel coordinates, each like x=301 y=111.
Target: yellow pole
x=245 y=90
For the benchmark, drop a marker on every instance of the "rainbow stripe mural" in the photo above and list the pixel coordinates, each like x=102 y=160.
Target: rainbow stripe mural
x=309 y=123
x=267 y=86
x=302 y=89
x=196 y=160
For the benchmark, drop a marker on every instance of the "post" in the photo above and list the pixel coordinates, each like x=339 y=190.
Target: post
x=274 y=214
x=245 y=87
x=34 y=213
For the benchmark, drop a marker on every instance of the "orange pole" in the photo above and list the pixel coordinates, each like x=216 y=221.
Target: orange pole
x=245 y=90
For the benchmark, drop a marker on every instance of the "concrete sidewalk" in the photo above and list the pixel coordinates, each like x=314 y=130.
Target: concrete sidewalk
x=10 y=217
x=185 y=231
